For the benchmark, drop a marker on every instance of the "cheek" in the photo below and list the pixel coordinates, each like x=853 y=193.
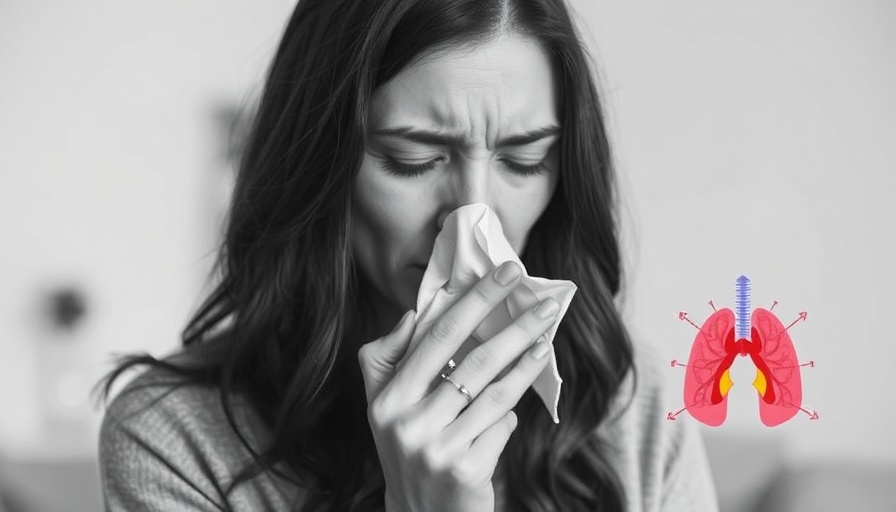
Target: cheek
x=525 y=208
x=388 y=221
x=385 y=212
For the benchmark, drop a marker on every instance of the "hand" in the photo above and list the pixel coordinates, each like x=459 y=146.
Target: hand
x=439 y=452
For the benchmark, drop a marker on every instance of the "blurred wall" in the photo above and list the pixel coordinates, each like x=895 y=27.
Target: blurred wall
x=758 y=138
x=753 y=139
x=112 y=170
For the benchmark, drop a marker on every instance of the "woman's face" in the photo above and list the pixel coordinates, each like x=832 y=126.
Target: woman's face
x=462 y=127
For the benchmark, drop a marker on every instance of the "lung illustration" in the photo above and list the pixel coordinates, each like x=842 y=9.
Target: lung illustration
x=762 y=337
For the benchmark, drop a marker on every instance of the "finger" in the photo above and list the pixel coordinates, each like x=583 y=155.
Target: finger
x=484 y=363
x=497 y=398
x=379 y=357
x=452 y=329
x=486 y=450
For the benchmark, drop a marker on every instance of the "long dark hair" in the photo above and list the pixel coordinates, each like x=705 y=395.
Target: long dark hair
x=286 y=318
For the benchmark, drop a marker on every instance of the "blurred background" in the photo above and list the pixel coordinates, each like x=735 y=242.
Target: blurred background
x=751 y=139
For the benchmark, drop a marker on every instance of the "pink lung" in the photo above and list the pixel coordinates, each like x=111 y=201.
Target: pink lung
x=708 y=354
x=714 y=350
x=776 y=357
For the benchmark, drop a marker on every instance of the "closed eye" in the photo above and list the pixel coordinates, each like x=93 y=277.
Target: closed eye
x=526 y=170
x=397 y=168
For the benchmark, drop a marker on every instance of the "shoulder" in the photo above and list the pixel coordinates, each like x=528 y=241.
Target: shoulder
x=172 y=418
x=161 y=403
x=662 y=462
x=165 y=442
x=149 y=392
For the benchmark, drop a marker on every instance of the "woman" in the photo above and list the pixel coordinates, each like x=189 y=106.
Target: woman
x=295 y=388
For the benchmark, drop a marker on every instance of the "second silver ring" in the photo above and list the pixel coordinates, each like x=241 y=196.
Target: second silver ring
x=451 y=366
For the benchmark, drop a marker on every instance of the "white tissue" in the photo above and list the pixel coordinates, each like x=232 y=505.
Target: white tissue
x=470 y=246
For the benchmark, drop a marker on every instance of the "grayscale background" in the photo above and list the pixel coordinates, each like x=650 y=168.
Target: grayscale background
x=751 y=139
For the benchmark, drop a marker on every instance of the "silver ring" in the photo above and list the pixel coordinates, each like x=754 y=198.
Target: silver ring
x=460 y=388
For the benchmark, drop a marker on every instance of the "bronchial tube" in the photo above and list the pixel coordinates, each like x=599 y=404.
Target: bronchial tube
x=742 y=307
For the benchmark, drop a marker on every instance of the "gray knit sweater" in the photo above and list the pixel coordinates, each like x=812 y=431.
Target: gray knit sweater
x=171 y=449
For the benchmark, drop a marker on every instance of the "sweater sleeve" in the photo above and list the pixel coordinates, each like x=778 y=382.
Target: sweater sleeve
x=663 y=464
x=687 y=480
x=148 y=458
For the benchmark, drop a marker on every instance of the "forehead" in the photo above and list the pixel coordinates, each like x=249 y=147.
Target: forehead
x=501 y=86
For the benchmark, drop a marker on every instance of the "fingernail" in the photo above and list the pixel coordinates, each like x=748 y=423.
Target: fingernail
x=540 y=349
x=507 y=273
x=547 y=308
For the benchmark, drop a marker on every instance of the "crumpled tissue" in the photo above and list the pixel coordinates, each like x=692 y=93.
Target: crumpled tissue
x=470 y=245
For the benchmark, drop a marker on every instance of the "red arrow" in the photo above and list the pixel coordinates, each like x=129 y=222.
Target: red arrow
x=812 y=415
x=810 y=364
x=672 y=415
x=683 y=315
x=803 y=315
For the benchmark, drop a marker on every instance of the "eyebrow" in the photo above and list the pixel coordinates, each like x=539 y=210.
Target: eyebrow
x=444 y=139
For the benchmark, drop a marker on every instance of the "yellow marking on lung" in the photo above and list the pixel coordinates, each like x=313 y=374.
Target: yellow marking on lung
x=725 y=383
x=760 y=383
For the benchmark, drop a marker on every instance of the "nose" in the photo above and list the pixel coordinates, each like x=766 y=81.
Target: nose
x=468 y=182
